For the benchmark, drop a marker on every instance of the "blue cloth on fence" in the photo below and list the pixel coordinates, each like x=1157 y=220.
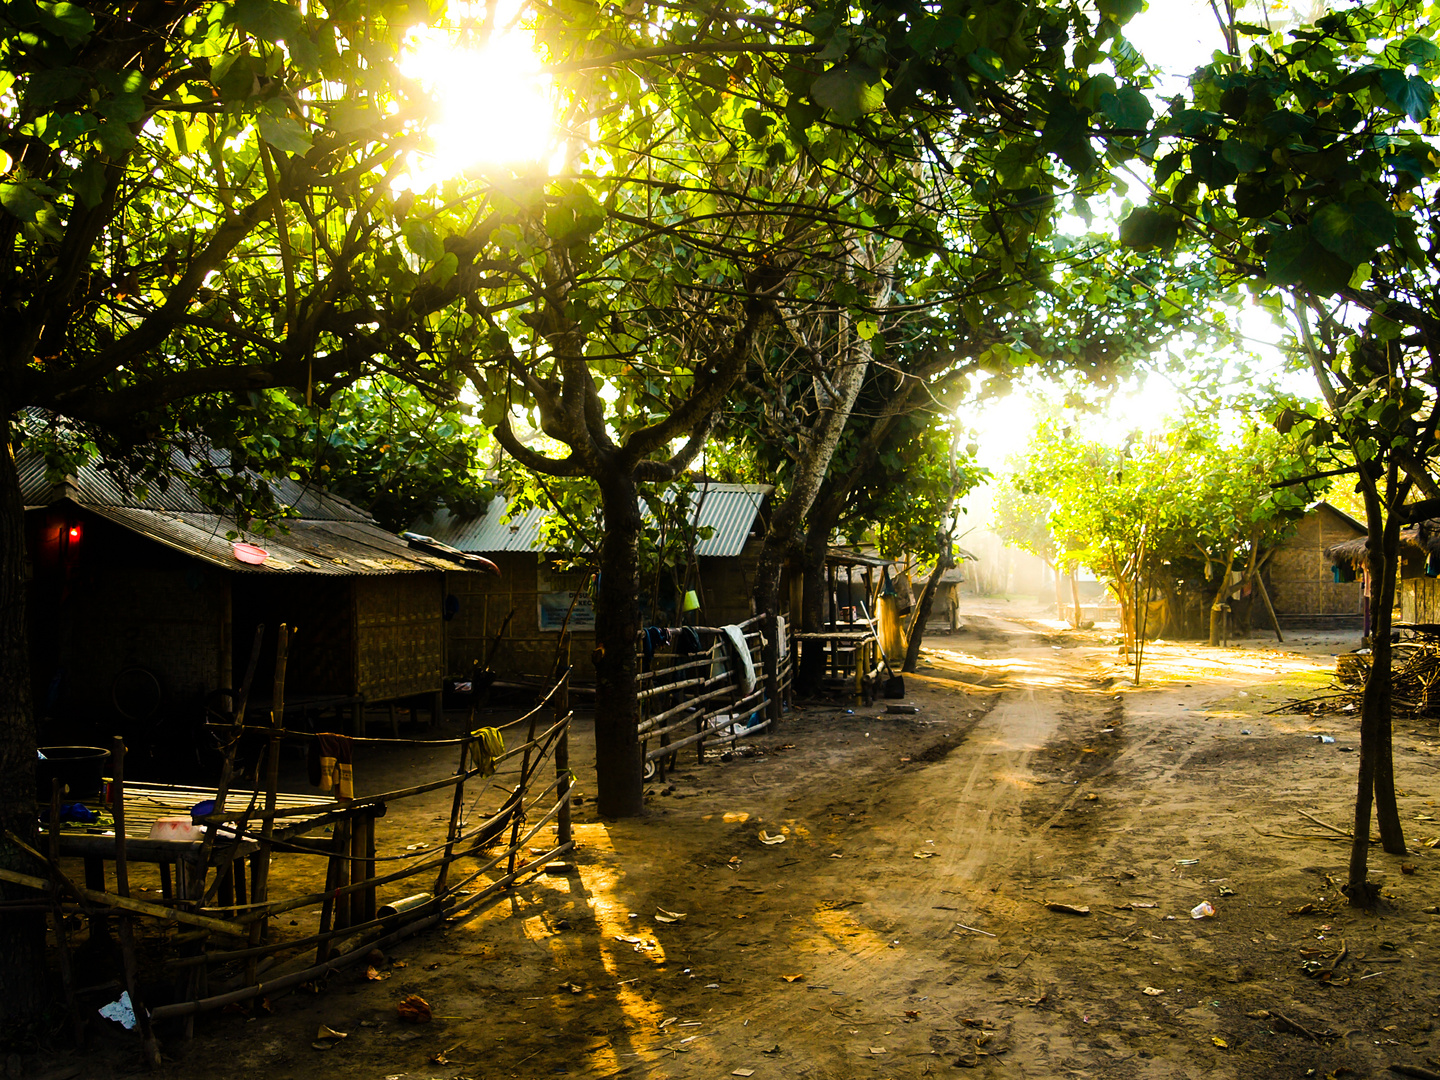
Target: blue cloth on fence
x=72 y=811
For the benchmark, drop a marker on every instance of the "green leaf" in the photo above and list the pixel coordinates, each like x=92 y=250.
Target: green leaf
x=849 y=91
x=756 y=123
x=20 y=201
x=1411 y=94
x=1417 y=50
x=268 y=19
x=1256 y=199
x=987 y=63
x=1129 y=108
x=1120 y=10
x=88 y=183
x=1150 y=228
x=867 y=328
x=1353 y=230
x=1245 y=156
x=1295 y=258
x=284 y=133
x=70 y=21
x=123 y=108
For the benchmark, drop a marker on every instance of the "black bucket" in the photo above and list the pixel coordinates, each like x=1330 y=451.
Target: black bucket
x=78 y=768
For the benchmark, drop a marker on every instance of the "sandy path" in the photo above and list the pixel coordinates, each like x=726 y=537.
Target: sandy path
x=862 y=947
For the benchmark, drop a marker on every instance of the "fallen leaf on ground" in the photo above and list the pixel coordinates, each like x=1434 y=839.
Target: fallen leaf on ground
x=793 y=978
x=766 y=838
x=1068 y=909
x=1219 y=1042
x=1150 y=991
x=376 y=976
x=661 y=915
x=414 y=1010
x=331 y=1033
x=926 y=854
x=398 y=963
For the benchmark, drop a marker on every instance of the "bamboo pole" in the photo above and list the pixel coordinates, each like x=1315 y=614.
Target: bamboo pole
x=208 y=843
x=62 y=938
x=261 y=889
x=562 y=759
x=519 y=814
x=150 y=1048
x=456 y=805
x=355 y=804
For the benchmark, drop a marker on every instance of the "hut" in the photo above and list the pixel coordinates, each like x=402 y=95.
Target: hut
x=1304 y=591
x=143 y=608
x=1417 y=593
x=512 y=622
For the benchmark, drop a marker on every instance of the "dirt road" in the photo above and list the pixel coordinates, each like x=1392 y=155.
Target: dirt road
x=1000 y=883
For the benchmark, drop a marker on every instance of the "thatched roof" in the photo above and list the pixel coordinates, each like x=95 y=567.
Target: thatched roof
x=1418 y=540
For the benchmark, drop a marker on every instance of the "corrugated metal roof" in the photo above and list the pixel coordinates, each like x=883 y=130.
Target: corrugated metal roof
x=728 y=509
x=94 y=486
x=330 y=535
x=310 y=547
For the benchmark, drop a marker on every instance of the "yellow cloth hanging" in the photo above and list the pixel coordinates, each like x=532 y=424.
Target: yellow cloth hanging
x=487 y=749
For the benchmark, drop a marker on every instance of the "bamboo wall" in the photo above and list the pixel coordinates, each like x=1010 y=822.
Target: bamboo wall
x=1301 y=582
x=524 y=650
x=399 y=635
x=111 y=601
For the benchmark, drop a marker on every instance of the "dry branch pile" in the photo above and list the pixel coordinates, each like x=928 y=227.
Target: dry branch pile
x=1415 y=687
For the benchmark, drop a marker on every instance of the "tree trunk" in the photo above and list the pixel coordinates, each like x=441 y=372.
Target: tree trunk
x=812 y=609
x=927 y=599
x=619 y=763
x=1075 y=600
x=23 y=981
x=1217 y=606
x=1371 y=788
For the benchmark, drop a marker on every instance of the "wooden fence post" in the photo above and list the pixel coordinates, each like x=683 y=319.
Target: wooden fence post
x=771 y=656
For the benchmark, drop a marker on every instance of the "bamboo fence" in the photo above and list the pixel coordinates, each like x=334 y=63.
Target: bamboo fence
x=230 y=940
x=697 y=699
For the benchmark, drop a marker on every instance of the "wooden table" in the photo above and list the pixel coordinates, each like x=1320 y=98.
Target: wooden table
x=144 y=805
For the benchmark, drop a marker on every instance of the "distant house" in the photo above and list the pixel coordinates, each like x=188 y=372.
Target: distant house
x=143 y=612
x=1301 y=582
x=1418 y=590
x=539 y=592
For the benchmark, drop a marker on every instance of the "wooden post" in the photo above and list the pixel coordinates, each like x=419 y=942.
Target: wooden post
x=456 y=804
x=149 y=1047
x=261 y=890
x=62 y=938
x=227 y=770
x=771 y=657
x=356 y=867
x=368 y=912
x=518 y=814
x=1269 y=608
x=562 y=757
x=330 y=911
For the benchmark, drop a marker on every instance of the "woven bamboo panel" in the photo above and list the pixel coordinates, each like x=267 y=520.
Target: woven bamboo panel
x=401 y=644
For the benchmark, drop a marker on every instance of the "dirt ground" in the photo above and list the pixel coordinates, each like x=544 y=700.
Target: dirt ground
x=902 y=929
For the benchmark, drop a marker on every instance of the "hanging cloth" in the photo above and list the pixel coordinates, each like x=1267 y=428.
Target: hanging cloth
x=487 y=749
x=745 y=665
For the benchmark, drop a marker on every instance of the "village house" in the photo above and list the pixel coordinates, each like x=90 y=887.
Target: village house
x=143 y=610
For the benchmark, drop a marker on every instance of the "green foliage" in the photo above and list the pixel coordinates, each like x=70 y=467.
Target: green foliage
x=1155 y=502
